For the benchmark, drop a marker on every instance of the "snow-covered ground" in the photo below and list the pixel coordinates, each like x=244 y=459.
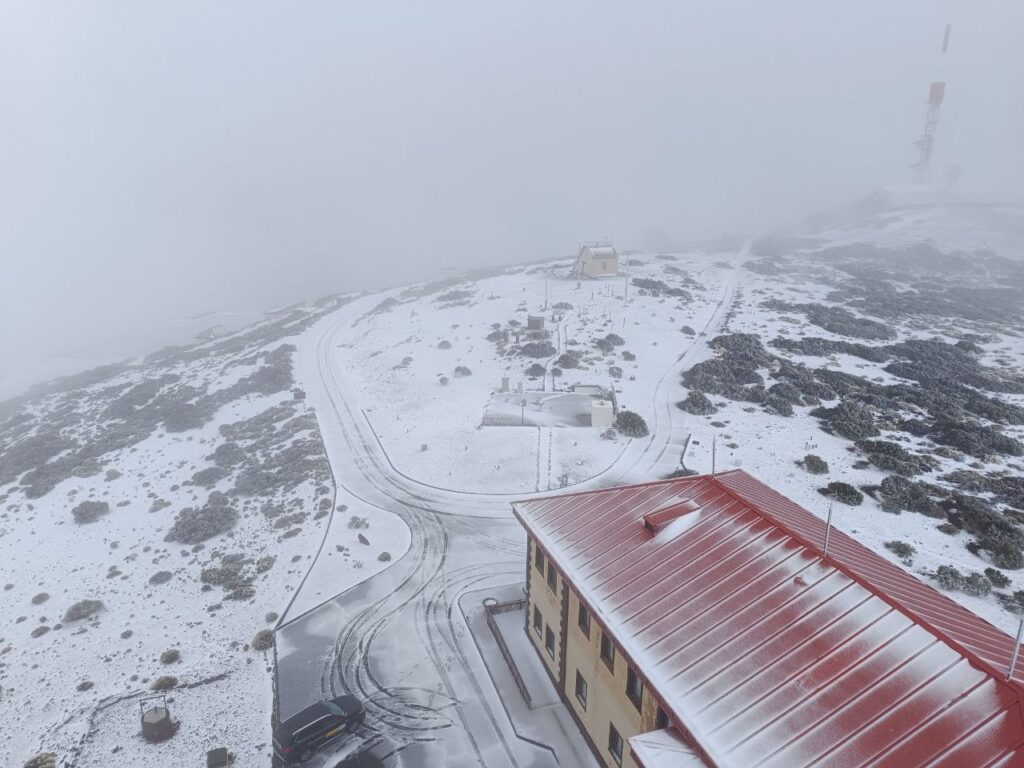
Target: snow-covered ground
x=219 y=428
x=141 y=445
x=405 y=364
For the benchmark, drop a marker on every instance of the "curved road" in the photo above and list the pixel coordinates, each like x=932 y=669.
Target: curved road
x=398 y=641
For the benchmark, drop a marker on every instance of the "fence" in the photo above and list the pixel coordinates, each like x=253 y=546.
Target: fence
x=493 y=609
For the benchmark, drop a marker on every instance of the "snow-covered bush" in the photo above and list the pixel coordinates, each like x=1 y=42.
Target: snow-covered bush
x=631 y=424
x=902 y=550
x=192 y=526
x=164 y=683
x=170 y=656
x=90 y=511
x=535 y=370
x=814 y=464
x=997 y=578
x=83 y=609
x=263 y=640
x=697 y=403
x=842 y=492
x=462 y=371
x=537 y=349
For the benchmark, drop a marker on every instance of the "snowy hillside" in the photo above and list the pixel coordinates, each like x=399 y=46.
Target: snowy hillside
x=155 y=518
x=158 y=517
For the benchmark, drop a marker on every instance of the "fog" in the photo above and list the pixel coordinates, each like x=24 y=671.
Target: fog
x=160 y=161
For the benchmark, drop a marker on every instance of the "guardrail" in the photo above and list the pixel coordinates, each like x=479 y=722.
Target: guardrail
x=493 y=609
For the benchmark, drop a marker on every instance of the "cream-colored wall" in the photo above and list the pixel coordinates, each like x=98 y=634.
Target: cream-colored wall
x=607 y=701
x=550 y=604
x=592 y=265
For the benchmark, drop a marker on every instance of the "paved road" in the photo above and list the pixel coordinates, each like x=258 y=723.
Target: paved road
x=398 y=640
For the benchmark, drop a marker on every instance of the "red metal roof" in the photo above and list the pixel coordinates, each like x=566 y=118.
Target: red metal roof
x=768 y=655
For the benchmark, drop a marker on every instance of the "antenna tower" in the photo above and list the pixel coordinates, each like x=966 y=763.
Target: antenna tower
x=926 y=143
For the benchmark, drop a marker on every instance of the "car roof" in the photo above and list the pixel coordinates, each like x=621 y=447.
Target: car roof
x=308 y=715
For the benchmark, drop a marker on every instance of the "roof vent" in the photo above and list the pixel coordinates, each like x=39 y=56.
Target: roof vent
x=655 y=521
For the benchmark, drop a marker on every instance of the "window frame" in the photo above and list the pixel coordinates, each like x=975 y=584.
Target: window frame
x=661 y=720
x=580 y=679
x=538 y=620
x=633 y=680
x=615 y=741
x=583 y=619
x=538 y=557
x=550 y=648
x=552 y=577
x=609 y=660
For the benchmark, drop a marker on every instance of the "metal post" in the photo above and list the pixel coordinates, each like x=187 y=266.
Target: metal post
x=828 y=530
x=714 y=451
x=1016 y=649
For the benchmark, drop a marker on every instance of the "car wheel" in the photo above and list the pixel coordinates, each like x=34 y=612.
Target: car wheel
x=307 y=755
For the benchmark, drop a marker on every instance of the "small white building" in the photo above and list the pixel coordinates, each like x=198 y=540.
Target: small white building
x=597 y=261
x=602 y=414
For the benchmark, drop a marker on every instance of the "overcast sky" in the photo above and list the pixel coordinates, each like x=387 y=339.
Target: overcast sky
x=165 y=159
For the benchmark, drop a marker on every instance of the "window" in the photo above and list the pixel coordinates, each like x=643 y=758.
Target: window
x=537 y=622
x=634 y=688
x=552 y=576
x=549 y=641
x=661 y=721
x=581 y=690
x=607 y=650
x=538 y=557
x=584 y=620
x=615 y=744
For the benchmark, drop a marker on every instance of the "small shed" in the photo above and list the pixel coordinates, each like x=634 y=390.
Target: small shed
x=597 y=261
x=602 y=414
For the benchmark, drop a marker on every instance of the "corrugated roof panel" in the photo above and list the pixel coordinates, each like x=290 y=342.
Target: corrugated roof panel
x=766 y=653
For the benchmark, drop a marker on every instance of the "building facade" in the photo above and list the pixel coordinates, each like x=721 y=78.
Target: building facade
x=597 y=261
x=698 y=622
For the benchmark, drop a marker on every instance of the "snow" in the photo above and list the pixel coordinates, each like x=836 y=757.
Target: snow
x=395 y=367
x=664 y=749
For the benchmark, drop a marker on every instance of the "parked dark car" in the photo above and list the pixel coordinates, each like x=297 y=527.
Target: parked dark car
x=301 y=735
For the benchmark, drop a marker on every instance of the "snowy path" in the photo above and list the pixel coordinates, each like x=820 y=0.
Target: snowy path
x=398 y=640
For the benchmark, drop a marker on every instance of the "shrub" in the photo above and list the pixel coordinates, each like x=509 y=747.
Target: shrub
x=948 y=577
x=462 y=371
x=164 y=683
x=902 y=550
x=631 y=424
x=976 y=585
x=41 y=598
x=813 y=464
x=997 y=577
x=161 y=577
x=263 y=640
x=535 y=370
x=384 y=557
x=842 y=492
x=443 y=381
x=170 y=656
x=537 y=349
x=445 y=344
x=192 y=526
x=43 y=760
x=83 y=609
x=615 y=371
x=355 y=522
x=569 y=359
x=697 y=403
x=628 y=356
x=90 y=511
